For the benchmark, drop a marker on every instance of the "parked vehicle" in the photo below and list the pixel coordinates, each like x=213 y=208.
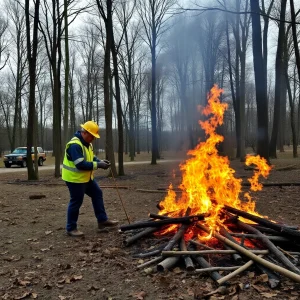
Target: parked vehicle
x=19 y=157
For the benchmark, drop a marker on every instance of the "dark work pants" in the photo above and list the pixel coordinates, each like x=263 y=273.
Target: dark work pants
x=77 y=191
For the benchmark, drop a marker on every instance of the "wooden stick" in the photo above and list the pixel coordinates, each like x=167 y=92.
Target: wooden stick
x=150 y=262
x=216 y=269
x=236 y=272
x=284 y=229
x=208 y=252
x=139 y=235
x=286 y=253
x=266 y=184
x=156 y=216
x=148 y=254
x=154 y=191
x=205 y=264
x=294 y=253
x=187 y=259
x=281 y=257
x=113 y=187
x=176 y=237
x=200 y=245
x=236 y=256
x=258 y=237
x=254 y=257
x=160 y=223
x=167 y=263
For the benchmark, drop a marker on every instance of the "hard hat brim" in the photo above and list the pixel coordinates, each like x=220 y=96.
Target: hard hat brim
x=96 y=135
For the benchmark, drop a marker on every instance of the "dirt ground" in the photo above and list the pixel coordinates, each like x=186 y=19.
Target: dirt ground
x=38 y=260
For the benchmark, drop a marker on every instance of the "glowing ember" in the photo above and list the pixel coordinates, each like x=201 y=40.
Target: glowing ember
x=208 y=182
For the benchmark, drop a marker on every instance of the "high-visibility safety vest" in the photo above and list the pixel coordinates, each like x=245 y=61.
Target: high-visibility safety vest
x=69 y=171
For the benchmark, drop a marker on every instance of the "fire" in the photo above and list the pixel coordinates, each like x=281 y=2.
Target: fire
x=208 y=182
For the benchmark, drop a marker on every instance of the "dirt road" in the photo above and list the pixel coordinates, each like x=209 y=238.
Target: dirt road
x=15 y=169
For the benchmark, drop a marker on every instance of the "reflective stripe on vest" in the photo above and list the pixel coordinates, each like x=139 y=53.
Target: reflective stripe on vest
x=69 y=171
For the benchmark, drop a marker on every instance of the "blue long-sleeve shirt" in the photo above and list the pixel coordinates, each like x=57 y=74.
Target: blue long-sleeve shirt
x=75 y=154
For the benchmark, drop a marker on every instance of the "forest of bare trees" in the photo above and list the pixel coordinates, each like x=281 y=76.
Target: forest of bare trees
x=140 y=69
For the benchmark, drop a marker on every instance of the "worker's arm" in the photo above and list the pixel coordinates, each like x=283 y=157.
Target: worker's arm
x=75 y=154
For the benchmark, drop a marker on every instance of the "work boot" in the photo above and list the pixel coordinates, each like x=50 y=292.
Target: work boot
x=75 y=233
x=107 y=223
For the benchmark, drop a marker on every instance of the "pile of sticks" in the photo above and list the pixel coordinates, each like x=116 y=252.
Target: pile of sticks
x=249 y=243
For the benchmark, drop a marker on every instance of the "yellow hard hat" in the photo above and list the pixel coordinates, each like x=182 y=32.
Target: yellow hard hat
x=92 y=128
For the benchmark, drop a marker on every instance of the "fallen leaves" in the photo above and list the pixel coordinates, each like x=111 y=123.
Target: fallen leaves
x=21 y=282
x=24 y=295
x=138 y=295
x=12 y=258
x=67 y=279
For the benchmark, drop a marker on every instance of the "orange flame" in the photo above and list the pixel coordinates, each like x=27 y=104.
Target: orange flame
x=208 y=182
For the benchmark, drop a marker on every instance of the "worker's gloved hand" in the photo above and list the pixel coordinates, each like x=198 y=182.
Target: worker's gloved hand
x=106 y=161
x=103 y=165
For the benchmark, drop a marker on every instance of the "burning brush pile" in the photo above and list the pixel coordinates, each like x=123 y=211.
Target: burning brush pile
x=211 y=217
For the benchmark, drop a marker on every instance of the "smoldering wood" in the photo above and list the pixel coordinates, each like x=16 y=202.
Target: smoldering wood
x=280 y=184
x=178 y=235
x=152 y=252
x=235 y=256
x=279 y=255
x=160 y=223
x=154 y=191
x=254 y=257
x=280 y=228
x=200 y=245
x=209 y=252
x=167 y=263
x=205 y=264
x=157 y=216
x=134 y=238
x=258 y=237
x=189 y=265
x=148 y=254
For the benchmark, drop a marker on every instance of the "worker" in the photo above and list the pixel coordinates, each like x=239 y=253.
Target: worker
x=78 y=173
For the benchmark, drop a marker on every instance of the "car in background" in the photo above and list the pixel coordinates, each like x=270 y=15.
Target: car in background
x=19 y=157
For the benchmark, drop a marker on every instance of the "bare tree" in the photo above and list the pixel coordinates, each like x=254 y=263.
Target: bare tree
x=280 y=87
x=260 y=83
x=153 y=17
x=4 y=55
x=51 y=29
x=18 y=32
x=32 y=47
x=105 y=12
x=127 y=62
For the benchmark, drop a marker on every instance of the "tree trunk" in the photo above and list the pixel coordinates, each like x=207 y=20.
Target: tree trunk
x=67 y=70
x=279 y=81
x=260 y=83
x=32 y=59
x=153 y=101
x=118 y=100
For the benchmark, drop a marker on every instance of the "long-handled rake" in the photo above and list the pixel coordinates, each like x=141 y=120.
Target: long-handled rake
x=115 y=182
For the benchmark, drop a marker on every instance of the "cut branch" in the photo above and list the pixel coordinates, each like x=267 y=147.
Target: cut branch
x=160 y=223
x=280 y=228
x=208 y=252
x=187 y=260
x=139 y=235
